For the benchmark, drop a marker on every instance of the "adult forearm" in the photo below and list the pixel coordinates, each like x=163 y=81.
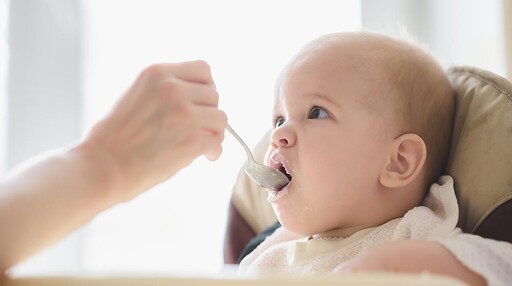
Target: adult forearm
x=50 y=198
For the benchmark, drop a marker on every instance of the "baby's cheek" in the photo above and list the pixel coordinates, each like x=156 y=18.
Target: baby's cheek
x=293 y=213
x=267 y=156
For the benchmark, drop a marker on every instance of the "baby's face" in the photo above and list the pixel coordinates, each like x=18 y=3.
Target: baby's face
x=331 y=142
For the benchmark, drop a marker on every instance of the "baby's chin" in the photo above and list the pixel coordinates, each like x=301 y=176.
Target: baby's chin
x=295 y=225
x=300 y=231
x=275 y=196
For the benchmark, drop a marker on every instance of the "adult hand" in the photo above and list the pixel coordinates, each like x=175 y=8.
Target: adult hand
x=165 y=120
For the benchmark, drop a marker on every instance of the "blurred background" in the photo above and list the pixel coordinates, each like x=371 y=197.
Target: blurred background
x=64 y=63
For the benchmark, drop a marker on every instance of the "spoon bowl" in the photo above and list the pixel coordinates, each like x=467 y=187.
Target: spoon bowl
x=262 y=175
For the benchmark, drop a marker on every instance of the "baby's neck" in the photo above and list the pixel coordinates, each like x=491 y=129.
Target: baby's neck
x=342 y=232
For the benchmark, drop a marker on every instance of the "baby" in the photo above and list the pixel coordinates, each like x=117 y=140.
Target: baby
x=362 y=127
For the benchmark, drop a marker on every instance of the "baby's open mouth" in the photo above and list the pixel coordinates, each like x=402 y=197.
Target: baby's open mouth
x=278 y=162
x=283 y=170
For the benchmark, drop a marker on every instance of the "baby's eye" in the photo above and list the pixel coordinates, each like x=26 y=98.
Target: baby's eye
x=278 y=121
x=318 y=112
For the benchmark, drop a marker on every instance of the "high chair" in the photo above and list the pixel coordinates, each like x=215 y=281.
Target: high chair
x=480 y=163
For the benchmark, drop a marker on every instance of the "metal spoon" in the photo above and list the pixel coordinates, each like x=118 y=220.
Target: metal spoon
x=262 y=175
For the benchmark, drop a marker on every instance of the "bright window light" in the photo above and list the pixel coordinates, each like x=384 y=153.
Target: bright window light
x=4 y=62
x=178 y=227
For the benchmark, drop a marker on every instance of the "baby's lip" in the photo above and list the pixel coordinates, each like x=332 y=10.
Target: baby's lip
x=278 y=161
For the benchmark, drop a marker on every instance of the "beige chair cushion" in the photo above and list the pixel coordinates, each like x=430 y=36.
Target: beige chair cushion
x=480 y=160
x=481 y=156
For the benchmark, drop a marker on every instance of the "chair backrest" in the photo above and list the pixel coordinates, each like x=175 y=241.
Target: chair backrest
x=481 y=154
x=480 y=163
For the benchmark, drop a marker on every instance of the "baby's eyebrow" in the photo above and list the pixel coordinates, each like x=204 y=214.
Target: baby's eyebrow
x=326 y=98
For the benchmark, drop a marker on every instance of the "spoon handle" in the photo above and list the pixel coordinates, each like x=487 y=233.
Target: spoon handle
x=247 y=150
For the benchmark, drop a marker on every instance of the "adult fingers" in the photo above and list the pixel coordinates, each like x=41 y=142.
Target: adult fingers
x=200 y=94
x=212 y=147
x=213 y=123
x=193 y=71
x=212 y=120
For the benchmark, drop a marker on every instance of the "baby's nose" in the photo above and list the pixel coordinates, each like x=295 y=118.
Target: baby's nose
x=283 y=141
x=283 y=137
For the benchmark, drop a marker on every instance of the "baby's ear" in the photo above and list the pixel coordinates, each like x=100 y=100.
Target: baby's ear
x=405 y=162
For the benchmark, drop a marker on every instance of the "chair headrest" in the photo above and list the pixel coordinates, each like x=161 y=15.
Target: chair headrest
x=481 y=152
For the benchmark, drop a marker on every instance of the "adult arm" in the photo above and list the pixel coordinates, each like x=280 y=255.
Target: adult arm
x=165 y=120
